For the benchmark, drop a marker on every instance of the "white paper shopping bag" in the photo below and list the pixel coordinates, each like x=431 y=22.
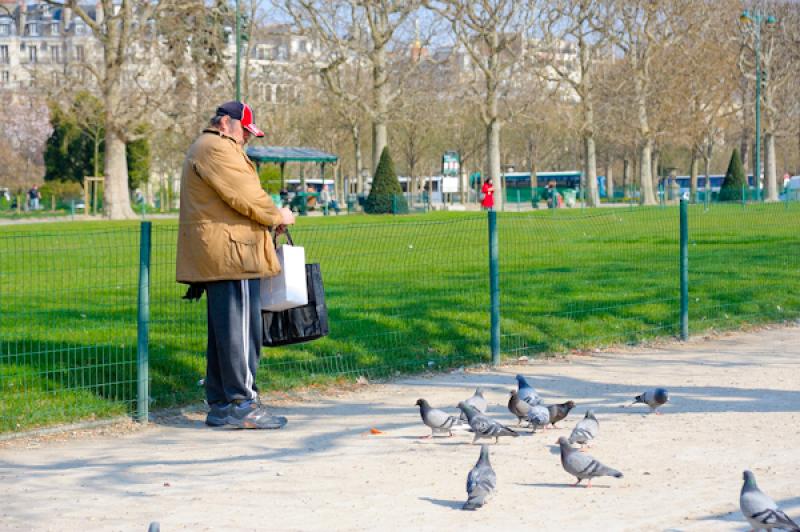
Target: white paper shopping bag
x=287 y=289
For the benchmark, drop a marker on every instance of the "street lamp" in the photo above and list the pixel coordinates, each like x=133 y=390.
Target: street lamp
x=756 y=18
x=238 y=53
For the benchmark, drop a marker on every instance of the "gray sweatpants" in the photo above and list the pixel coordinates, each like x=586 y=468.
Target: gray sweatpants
x=234 y=340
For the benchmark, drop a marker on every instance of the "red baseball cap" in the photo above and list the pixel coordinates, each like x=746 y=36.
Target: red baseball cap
x=242 y=112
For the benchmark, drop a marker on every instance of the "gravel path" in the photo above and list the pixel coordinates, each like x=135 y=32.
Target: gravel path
x=735 y=405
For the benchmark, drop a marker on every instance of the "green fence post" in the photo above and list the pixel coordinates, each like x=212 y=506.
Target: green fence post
x=684 y=270
x=394 y=203
x=494 y=287
x=143 y=323
x=744 y=197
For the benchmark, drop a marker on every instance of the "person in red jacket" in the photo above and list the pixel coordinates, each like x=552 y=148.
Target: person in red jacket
x=488 y=195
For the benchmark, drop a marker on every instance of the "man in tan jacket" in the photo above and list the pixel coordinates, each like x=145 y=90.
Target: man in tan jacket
x=224 y=246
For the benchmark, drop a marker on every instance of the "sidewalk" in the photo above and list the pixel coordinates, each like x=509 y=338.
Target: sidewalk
x=735 y=405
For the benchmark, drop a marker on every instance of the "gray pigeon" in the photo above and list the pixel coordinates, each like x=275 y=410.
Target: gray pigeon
x=760 y=510
x=526 y=392
x=437 y=420
x=483 y=426
x=538 y=416
x=559 y=412
x=517 y=407
x=586 y=430
x=481 y=481
x=477 y=401
x=653 y=399
x=583 y=466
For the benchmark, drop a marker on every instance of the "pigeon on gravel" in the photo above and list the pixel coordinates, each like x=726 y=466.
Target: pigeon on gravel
x=481 y=481
x=437 y=420
x=477 y=401
x=518 y=407
x=653 y=399
x=583 y=466
x=760 y=510
x=484 y=426
x=586 y=430
x=538 y=416
x=526 y=392
x=560 y=411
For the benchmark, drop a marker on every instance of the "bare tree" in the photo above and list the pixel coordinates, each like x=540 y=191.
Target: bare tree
x=778 y=48
x=643 y=29
x=361 y=31
x=586 y=23
x=495 y=35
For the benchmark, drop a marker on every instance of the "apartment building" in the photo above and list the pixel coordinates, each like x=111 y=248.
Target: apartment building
x=38 y=42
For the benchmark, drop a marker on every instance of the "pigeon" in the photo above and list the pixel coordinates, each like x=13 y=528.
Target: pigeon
x=760 y=510
x=586 y=430
x=539 y=416
x=583 y=466
x=154 y=527
x=653 y=399
x=481 y=481
x=517 y=407
x=559 y=412
x=526 y=392
x=477 y=401
x=483 y=426
x=437 y=420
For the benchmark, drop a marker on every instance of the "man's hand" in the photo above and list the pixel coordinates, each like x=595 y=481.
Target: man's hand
x=287 y=216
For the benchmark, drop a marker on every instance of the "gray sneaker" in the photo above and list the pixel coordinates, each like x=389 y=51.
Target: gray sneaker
x=217 y=414
x=253 y=415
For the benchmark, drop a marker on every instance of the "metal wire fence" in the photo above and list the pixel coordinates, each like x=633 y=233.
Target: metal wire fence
x=404 y=294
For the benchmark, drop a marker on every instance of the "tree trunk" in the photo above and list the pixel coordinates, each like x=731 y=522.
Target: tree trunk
x=532 y=166
x=381 y=96
x=117 y=203
x=645 y=173
x=770 y=173
x=693 y=176
x=656 y=162
x=609 y=180
x=590 y=160
x=626 y=177
x=706 y=169
x=355 y=131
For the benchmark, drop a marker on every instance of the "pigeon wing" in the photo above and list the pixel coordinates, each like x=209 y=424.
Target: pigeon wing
x=439 y=419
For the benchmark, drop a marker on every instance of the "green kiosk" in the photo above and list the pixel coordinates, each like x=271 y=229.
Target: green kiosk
x=281 y=155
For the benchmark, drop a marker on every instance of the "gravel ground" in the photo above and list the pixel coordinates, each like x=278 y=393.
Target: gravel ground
x=735 y=405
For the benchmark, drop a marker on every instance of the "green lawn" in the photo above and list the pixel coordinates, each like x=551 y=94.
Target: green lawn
x=404 y=294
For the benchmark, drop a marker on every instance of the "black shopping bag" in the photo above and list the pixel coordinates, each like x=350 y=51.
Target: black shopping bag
x=299 y=324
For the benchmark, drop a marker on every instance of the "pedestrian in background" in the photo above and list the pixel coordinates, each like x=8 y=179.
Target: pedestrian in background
x=487 y=191
x=224 y=248
x=34 y=196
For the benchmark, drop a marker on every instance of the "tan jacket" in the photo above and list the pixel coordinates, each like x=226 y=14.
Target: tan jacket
x=224 y=215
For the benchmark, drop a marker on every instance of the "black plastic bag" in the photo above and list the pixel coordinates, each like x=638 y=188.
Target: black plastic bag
x=299 y=324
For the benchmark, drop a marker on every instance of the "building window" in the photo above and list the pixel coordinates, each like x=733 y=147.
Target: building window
x=55 y=54
x=79 y=54
x=54 y=29
x=79 y=28
x=5 y=29
x=4 y=77
x=4 y=54
x=32 y=54
x=33 y=29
